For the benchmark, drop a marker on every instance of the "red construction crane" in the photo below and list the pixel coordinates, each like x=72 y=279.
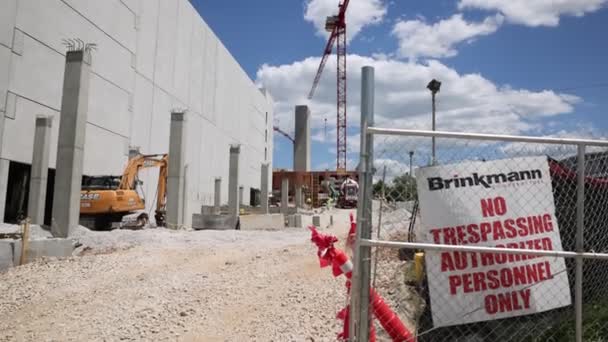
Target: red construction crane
x=337 y=26
x=283 y=133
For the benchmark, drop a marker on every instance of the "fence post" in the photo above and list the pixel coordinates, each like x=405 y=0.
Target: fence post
x=360 y=300
x=580 y=222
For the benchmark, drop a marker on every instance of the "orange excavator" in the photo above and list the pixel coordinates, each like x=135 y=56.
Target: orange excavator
x=108 y=202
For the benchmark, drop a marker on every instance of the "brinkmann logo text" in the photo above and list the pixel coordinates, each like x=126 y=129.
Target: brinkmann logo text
x=438 y=183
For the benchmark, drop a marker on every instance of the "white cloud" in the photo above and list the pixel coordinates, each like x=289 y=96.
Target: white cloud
x=419 y=39
x=535 y=12
x=556 y=151
x=393 y=167
x=360 y=13
x=467 y=102
x=383 y=56
x=323 y=134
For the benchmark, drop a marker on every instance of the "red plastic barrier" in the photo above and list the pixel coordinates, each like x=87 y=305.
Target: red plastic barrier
x=344 y=315
x=389 y=320
x=352 y=233
x=329 y=255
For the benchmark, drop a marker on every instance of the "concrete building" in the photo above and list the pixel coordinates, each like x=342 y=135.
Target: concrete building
x=152 y=56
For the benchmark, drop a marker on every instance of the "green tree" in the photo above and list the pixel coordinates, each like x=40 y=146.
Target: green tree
x=378 y=187
x=403 y=189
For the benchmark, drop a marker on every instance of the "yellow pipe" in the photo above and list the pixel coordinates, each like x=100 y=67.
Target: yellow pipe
x=419 y=266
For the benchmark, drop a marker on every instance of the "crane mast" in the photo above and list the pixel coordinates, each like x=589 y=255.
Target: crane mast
x=336 y=25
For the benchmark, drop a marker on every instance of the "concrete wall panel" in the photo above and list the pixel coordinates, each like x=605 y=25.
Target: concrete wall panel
x=222 y=159
x=18 y=139
x=5 y=66
x=132 y=5
x=50 y=21
x=257 y=120
x=194 y=151
x=161 y=119
x=142 y=113
x=113 y=63
x=7 y=22
x=166 y=43
x=40 y=19
x=221 y=113
x=178 y=63
x=35 y=64
x=268 y=105
x=183 y=49
x=217 y=154
x=206 y=162
x=111 y=16
x=196 y=70
x=146 y=37
x=113 y=115
x=210 y=70
x=99 y=144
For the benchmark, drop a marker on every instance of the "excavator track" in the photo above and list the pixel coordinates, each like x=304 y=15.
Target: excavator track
x=100 y=222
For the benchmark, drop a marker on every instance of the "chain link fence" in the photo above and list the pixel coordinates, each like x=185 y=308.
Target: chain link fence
x=396 y=217
x=488 y=238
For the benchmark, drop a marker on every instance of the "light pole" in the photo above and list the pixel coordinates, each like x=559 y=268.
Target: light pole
x=434 y=87
x=411 y=155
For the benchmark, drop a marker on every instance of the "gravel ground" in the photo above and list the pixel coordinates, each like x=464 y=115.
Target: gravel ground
x=166 y=285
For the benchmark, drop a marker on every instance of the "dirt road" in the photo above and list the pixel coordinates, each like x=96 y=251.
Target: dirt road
x=196 y=286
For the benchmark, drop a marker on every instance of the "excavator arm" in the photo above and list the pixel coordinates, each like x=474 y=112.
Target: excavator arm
x=131 y=172
x=161 y=195
x=130 y=176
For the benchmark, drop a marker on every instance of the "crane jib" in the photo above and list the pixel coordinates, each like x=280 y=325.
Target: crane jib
x=337 y=26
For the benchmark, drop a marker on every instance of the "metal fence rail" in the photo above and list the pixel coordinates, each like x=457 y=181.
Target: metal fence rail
x=490 y=137
x=435 y=273
x=496 y=250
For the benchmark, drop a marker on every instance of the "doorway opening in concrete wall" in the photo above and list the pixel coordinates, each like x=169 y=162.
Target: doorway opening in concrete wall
x=48 y=202
x=17 y=193
x=254 y=197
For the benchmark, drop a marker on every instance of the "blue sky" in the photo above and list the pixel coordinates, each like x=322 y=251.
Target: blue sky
x=530 y=67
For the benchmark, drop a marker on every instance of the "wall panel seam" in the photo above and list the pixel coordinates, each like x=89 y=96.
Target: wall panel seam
x=96 y=26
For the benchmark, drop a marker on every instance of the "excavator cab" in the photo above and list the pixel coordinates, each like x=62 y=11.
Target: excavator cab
x=100 y=182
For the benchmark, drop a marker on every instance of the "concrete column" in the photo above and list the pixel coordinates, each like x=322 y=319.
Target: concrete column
x=4 y=165
x=284 y=195
x=233 y=181
x=299 y=203
x=175 y=174
x=70 y=147
x=301 y=157
x=40 y=169
x=185 y=220
x=264 y=189
x=217 y=196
